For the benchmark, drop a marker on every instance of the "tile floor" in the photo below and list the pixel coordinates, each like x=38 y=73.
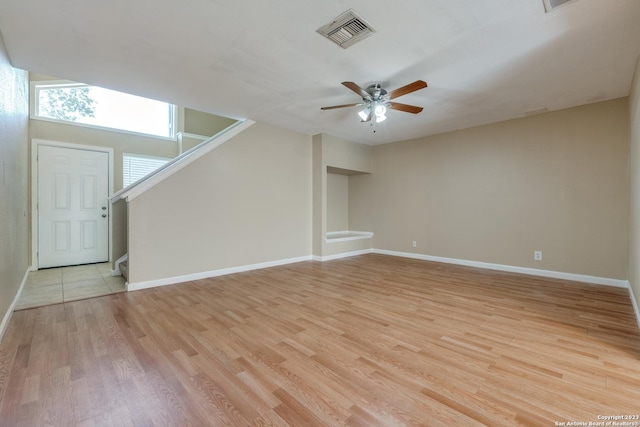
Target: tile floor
x=56 y=285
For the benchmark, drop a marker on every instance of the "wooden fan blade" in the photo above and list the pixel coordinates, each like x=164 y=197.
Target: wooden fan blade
x=357 y=89
x=404 y=107
x=340 y=106
x=411 y=87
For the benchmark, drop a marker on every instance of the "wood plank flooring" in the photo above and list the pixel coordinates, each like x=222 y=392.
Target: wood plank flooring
x=365 y=341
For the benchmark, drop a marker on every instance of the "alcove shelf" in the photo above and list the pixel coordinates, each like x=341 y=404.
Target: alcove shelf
x=344 y=236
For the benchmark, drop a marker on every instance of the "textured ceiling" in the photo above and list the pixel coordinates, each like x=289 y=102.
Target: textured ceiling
x=485 y=61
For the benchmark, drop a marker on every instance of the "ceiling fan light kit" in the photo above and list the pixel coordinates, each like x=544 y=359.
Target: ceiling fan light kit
x=377 y=100
x=380 y=111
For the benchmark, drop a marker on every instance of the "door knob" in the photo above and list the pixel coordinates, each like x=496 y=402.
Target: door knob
x=104 y=208
x=104 y=215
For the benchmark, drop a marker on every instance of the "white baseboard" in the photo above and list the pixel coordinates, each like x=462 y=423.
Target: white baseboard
x=119 y=261
x=512 y=269
x=489 y=266
x=213 y=273
x=224 y=271
x=9 y=313
x=636 y=307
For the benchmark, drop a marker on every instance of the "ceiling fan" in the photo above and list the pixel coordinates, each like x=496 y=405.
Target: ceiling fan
x=377 y=100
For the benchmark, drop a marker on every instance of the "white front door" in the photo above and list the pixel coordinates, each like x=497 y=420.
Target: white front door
x=73 y=206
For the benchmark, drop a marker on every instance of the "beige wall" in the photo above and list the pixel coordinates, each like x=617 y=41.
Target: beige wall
x=337 y=202
x=205 y=124
x=253 y=204
x=556 y=182
x=343 y=154
x=634 y=212
x=187 y=142
x=198 y=126
x=14 y=208
x=319 y=196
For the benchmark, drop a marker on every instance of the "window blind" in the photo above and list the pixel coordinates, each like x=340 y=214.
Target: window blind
x=135 y=167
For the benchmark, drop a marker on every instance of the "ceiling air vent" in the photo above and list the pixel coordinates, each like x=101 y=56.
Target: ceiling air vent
x=347 y=29
x=550 y=5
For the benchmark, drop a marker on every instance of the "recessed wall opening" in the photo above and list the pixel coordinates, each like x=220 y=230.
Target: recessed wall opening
x=338 y=229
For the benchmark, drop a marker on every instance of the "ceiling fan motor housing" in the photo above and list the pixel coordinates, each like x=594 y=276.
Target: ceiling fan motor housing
x=376 y=92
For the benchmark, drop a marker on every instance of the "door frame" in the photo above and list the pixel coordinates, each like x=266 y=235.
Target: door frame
x=35 y=144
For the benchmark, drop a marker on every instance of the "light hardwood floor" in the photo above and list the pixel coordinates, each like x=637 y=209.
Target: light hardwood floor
x=370 y=340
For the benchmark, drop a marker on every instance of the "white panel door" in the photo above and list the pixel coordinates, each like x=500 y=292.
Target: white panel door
x=73 y=208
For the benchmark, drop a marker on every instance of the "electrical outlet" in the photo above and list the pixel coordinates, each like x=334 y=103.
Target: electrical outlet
x=537 y=255
x=414 y=243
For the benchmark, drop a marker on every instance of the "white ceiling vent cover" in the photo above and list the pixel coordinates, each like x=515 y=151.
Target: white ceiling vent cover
x=550 y=5
x=347 y=29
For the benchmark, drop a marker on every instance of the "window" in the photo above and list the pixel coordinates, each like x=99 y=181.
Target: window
x=135 y=166
x=94 y=106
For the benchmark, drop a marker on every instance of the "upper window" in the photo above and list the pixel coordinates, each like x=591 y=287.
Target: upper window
x=94 y=106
